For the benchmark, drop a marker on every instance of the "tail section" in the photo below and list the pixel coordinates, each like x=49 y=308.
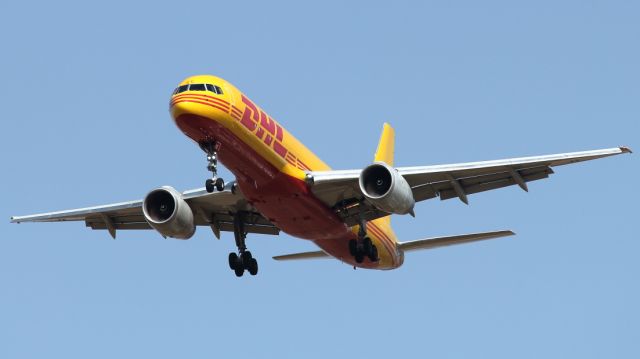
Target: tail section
x=435 y=242
x=386 y=145
x=428 y=243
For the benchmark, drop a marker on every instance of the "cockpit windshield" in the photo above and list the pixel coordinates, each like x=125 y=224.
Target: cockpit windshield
x=198 y=87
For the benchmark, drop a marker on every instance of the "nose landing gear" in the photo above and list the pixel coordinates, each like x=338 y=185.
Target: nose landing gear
x=213 y=183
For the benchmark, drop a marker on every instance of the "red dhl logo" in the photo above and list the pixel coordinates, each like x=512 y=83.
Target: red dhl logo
x=261 y=124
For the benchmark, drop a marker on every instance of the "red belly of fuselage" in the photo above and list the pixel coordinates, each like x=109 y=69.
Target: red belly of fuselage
x=284 y=200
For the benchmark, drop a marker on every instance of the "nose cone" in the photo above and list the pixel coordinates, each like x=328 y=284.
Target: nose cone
x=199 y=116
x=186 y=105
x=200 y=106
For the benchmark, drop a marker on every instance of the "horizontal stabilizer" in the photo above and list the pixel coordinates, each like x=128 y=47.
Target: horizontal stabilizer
x=435 y=242
x=304 y=255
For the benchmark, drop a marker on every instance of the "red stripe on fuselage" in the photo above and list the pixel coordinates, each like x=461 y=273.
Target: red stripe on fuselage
x=304 y=165
x=219 y=107
x=215 y=99
x=201 y=98
x=384 y=239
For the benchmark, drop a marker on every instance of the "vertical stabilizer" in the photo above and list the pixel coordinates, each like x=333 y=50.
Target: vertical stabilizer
x=386 y=145
x=384 y=153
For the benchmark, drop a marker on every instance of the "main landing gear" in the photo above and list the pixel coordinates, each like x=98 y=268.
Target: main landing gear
x=213 y=183
x=243 y=260
x=363 y=246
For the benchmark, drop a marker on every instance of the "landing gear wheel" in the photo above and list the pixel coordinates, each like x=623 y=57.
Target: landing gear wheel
x=209 y=185
x=359 y=257
x=233 y=260
x=219 y=184
x=367 y=245
x=373 y=256
x=239 y=271
x=243 y=261
x=246 y=259
x=253 y=266
x=353 y=247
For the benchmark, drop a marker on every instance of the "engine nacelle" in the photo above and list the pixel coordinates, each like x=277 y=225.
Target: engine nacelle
x=386 y=189
x=166 y=211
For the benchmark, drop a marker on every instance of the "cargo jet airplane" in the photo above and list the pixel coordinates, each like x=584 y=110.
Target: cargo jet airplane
x=281 y=185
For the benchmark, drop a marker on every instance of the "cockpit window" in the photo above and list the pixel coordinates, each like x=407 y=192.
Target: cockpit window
x=182 y=88
x=214 y=89
x=198 y=87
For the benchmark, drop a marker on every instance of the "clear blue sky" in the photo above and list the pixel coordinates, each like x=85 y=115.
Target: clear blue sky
x=85 y=121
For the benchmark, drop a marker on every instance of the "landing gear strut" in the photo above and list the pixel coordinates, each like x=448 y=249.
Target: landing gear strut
x=213 y=183
x=363 y=246
x=243 y=260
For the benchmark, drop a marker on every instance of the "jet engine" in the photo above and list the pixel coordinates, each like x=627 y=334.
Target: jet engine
x=386 y=189
x=168 y=213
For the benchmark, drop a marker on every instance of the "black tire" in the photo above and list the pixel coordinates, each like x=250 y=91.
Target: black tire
x=353 y=247
x=220 y=184
x=239 y=271
x=359 y=257
x=374 y=254
x=253 y=266
x=246 y=259
x=233 y=260
x=209 y=185
x=367 y=246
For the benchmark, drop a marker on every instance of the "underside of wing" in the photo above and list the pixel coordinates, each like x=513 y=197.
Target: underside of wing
x=112 y=217
x=341 y=191
x=209 y=209
x=459 y=180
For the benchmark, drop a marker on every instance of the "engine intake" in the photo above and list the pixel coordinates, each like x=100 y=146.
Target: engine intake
x=386 y=189
x=167 y=212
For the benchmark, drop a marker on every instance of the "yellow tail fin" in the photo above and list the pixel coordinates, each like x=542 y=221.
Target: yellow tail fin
x=384 y=153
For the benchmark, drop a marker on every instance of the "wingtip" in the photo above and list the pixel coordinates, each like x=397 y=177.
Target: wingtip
x=504 y=233
x=625 y=149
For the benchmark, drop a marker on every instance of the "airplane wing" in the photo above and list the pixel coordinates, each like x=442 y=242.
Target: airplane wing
x=209 y=209
x=341 y=191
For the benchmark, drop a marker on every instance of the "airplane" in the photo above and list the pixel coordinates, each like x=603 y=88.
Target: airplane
x=280 y=185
